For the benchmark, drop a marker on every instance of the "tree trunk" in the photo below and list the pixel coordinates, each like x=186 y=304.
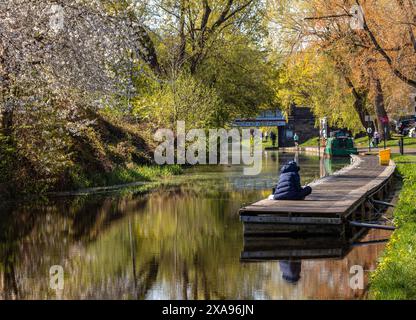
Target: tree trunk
x=6 y=121
x=182 y=45
x=379 y=107
x=359 y=101
x=360 y=96
x=145 y=49
x=6 y=111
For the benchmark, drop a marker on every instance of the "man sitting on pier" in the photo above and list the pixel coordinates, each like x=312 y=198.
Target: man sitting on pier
x=289 y=187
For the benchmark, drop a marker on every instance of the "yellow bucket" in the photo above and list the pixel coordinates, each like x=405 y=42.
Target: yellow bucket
x=385 y=157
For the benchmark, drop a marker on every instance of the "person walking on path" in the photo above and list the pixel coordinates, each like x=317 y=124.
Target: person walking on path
x=273 y=137
x=296 y=139
x=376 y=139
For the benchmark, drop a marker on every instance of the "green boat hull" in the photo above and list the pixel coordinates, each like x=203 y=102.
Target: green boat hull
x=340 y=147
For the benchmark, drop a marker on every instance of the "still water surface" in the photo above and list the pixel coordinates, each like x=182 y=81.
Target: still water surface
x=183 y=240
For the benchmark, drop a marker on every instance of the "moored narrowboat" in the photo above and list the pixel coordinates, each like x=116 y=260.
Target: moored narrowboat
x=340 y=145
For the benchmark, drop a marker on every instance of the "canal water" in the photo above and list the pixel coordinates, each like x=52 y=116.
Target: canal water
x=181 y=239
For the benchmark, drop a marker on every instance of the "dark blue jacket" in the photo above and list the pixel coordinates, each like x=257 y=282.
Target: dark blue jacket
x=291 y=270
x=289 y=187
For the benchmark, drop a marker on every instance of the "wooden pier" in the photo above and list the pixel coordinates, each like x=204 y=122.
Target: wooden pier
x=258 y=249
x=351 y=194
x=262 y=248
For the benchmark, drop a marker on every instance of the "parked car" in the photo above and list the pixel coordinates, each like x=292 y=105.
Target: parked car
x=404 y=125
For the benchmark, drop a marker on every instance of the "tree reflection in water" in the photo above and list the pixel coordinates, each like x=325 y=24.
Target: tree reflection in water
x=182 y=241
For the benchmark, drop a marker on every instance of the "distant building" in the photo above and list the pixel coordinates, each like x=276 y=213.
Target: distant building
x=270 y=118
x=300 y=120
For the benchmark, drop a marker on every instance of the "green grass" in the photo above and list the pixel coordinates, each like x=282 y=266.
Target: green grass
x=394 y=142
x=313 y=142
x=363 y=142
x=124 y=176
x=395 y=276
x=269 y=144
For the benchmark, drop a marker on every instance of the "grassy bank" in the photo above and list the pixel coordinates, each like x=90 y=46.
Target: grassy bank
x=363 y=142
x=394 y=142
x=395 y=277
x=313 y=142
x=268 y=144
x=110 y=151
x=125 y=175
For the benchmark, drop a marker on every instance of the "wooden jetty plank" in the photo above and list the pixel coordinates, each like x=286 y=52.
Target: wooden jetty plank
x=258 y=256
x=287 y=220
x=260 y=243
x=268 y=229
x=334 y=196
x=259 y=248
